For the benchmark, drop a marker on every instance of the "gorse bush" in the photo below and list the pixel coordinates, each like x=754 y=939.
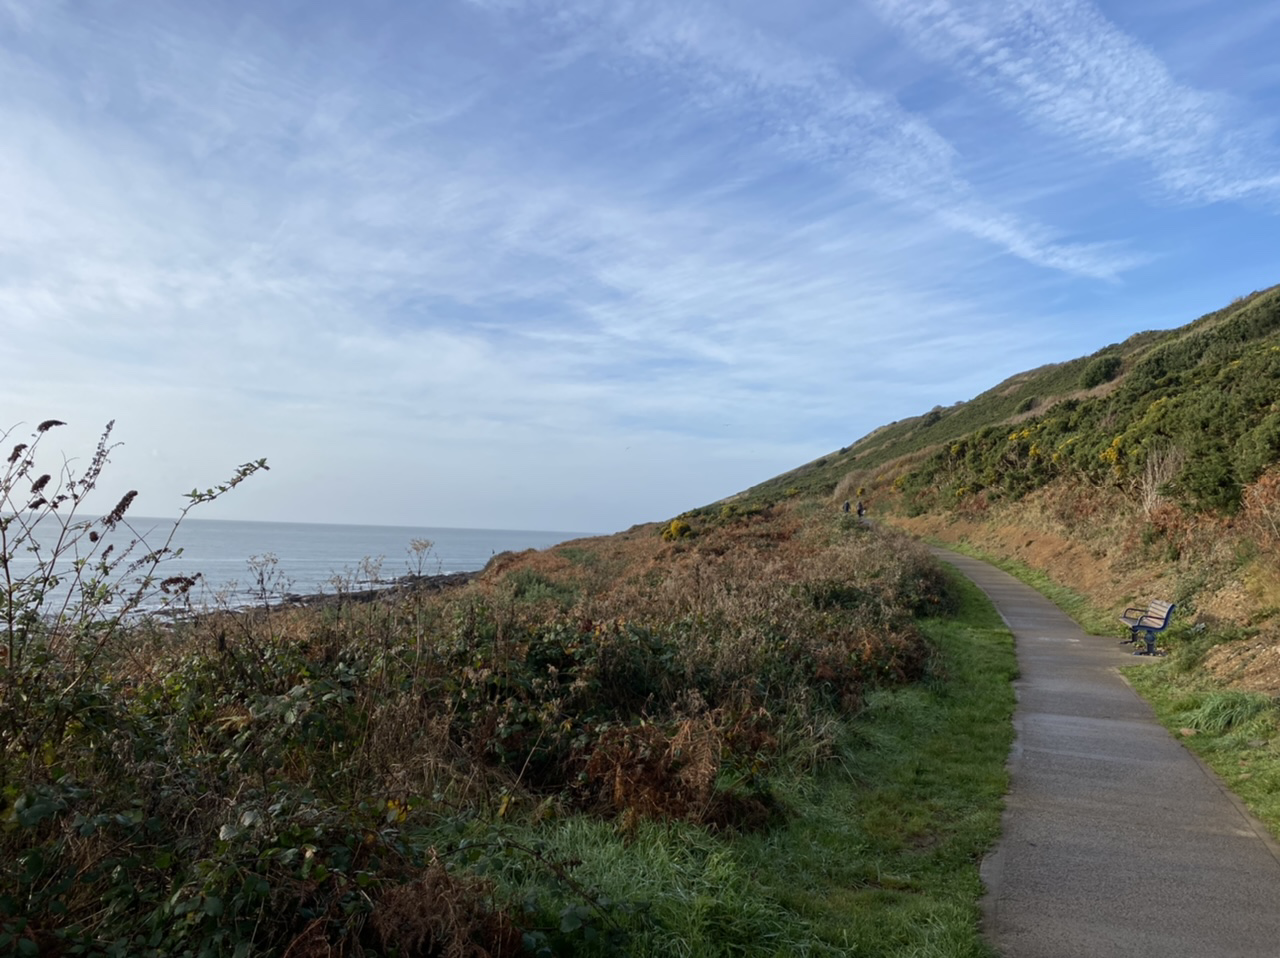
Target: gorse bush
x=1100 y=370
x=1203 y=399
x=677 y=529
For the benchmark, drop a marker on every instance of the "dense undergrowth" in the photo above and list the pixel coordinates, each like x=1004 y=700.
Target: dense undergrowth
x=633 y=745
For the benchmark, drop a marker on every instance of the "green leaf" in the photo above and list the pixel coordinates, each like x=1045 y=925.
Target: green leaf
x=212 y=906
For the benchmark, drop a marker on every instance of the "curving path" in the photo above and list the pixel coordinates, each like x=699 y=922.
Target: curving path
x=1116 y=840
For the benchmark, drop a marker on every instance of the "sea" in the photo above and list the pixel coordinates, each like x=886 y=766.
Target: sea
x=242 y=562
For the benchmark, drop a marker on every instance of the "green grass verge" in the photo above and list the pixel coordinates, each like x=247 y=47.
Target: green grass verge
x=879 y=854
x=1089 y=616
x=1236 y=733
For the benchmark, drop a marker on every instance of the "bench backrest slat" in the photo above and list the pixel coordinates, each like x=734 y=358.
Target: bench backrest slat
x=1157 y=615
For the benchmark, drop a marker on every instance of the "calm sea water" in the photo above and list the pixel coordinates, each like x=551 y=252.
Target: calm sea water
x=236 y=559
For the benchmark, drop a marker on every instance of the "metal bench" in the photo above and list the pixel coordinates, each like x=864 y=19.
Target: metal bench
x=1144 y=624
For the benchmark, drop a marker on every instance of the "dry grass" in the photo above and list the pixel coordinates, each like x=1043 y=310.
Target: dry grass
x=440 y=915
x=624 y=677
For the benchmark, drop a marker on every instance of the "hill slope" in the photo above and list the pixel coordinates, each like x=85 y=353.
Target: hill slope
x=1149 y=468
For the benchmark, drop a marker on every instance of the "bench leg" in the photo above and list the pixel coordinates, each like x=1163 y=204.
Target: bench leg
x=1150 y=639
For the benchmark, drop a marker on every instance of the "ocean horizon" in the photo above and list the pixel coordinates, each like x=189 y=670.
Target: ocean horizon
x=240 y=561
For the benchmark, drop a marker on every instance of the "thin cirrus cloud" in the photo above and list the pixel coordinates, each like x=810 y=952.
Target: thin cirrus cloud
x=810 y=112
x=1068 y=69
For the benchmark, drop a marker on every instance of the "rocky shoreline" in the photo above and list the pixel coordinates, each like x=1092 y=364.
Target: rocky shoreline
x=395 y=589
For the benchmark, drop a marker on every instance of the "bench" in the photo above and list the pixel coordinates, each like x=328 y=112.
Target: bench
x=1145 y=623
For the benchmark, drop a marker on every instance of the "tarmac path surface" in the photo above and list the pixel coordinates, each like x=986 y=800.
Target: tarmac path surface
x=1116 y=840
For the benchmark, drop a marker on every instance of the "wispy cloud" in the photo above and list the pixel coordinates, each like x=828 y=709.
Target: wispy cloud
x=811 y=112
x=1072 y=72
x=282 y=269
x=507 y=260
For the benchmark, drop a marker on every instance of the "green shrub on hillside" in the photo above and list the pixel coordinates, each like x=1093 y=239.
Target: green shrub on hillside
x=1101 y=370
x=677 y=529
x=1207 y=395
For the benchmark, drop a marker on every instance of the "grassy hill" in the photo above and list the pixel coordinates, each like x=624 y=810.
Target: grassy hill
x=1205 y=394
x=1148 y=468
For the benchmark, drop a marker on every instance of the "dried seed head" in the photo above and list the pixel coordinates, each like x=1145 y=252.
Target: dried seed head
x=41 y=483
x=49 y=424
x=93 y=536
x=116 y=514
x=17 y=451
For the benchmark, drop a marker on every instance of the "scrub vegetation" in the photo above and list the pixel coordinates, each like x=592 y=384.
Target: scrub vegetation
x=1147 y=470
x=775 y=731
x=1150 y=469
x=760 y=728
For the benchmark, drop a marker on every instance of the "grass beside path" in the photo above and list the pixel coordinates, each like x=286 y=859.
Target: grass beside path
x=1088 y=615
x=1235 y=732
x=881 y=852
x=884 y=860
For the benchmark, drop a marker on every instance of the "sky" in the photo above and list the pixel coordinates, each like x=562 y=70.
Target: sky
x=579 y=264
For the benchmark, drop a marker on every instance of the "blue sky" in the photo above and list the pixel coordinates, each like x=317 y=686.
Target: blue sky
x=575 y=265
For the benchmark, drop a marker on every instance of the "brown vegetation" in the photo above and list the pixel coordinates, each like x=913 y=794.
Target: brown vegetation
x=298 y=777
x=1121 y=548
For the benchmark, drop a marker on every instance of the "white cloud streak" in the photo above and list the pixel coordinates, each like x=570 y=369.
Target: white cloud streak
x=812 y=113
x=1072 y=72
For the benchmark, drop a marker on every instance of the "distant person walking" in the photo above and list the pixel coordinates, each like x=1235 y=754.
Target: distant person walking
x=846 y=505
x=862 y=510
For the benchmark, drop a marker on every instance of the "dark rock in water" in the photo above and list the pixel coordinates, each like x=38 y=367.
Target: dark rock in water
x=395 y=589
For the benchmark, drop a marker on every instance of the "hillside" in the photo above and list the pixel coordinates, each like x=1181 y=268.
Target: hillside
x=761 y=728
x=1150 y=467
x=674 y=741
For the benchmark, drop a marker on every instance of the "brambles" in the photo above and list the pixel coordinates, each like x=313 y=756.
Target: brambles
x=385 y=776
x=82 y=779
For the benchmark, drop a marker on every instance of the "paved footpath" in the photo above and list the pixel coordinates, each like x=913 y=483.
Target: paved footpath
x=1116 y=840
